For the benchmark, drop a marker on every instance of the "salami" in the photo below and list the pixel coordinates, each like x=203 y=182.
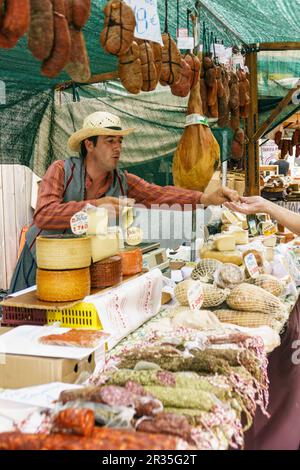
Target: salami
x=113 y=395
x=171 y=61
x=183 y=85
x=16 y=18
x=149 y=72
x=157 y=55
x=41 y=28
x=119 y=24
x=102 y=439
x=81 y=10
x=130 y=69
x=60 y=53
x=167 y=423
x=74 y=421
x=195 y=66
x=78 y=67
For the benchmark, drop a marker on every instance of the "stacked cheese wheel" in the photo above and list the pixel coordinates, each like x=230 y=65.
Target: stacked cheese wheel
x=63 y=273
x=106 y=273
x=132 y=261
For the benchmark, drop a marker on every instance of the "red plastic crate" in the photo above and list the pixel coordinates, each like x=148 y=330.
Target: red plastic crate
x=16 y=316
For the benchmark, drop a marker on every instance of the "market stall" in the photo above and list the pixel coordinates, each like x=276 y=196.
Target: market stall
x=124 y=339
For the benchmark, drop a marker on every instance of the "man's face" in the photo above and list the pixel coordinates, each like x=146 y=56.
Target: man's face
x=107 y=151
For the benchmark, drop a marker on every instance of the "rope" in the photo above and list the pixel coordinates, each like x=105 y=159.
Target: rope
x=166 y=16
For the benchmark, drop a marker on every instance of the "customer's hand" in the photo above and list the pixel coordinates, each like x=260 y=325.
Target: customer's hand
x=114 y=205
x=250 y=205
x=220 y=196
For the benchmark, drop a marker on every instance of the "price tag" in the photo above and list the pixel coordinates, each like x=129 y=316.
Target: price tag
x=186 y=43
x=134 y=236
x=79 y=223
x=182 y=33
x=147 y=20
x=269 y=229
x=192 y=119
x=238 y=61
x=251 y=265
x=195 y=296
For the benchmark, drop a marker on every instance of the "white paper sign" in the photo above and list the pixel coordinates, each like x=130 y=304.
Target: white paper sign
x=147 y=20
x=238 y=61
x=195 y=296
x=186 y=43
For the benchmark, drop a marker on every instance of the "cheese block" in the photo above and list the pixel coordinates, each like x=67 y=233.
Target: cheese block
x=258 y=255
x=242 y=218
x=241 y=236
x=104 y=246
x=269 y=241
x=60 y=252
x=127 y=217
x=97 y=221
x=228 y=217
x=225 y=227
x=62 y=286
x=224 y=242
x=234 y=257
x=107 y=272
x=132 y=261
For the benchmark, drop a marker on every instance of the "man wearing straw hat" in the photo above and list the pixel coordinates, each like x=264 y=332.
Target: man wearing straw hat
x=94 y=178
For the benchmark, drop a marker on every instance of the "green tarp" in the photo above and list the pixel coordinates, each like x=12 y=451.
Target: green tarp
x=34 y=126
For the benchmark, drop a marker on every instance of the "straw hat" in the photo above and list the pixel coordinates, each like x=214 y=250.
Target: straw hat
x=99 y=123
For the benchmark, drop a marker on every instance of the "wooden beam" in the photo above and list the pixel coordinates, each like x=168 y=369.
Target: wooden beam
x=101 y=77
x=252 y=154
x=275 y=113
x=278 y=46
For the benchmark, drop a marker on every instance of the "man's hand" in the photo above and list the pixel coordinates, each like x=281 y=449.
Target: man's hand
x=220 y=196
x=114 y=205
x=250 y=205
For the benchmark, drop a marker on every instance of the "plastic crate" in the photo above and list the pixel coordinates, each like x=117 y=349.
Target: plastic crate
x=82 y=315
x=16 y=316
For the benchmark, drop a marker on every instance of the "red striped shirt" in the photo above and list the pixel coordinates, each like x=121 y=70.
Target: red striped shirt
x=54 y=214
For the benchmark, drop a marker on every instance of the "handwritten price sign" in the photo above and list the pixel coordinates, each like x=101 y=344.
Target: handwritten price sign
x=195 y=296
x=147 y=20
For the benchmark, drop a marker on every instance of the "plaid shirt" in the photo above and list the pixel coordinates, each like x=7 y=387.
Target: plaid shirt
x=54 y=214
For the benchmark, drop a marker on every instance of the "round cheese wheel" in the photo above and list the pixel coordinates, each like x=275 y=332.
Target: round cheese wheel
x=60 y=252
x=107 y=272
x=62 y=286
x=132 y=261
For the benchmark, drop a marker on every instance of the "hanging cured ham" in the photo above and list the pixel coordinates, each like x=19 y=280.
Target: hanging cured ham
x=198 y=153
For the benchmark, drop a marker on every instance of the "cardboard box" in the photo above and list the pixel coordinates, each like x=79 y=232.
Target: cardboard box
x=24 y=371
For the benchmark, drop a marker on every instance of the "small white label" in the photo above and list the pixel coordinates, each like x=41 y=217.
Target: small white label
x=79 y=223
x=186 y=43
x=195 y=296
x=182 y=33
x=134 y=236
x=238 y=61
x=251 y=265
x=192 y=119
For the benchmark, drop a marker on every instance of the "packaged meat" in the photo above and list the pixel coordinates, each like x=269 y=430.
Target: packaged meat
x=76 y=338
